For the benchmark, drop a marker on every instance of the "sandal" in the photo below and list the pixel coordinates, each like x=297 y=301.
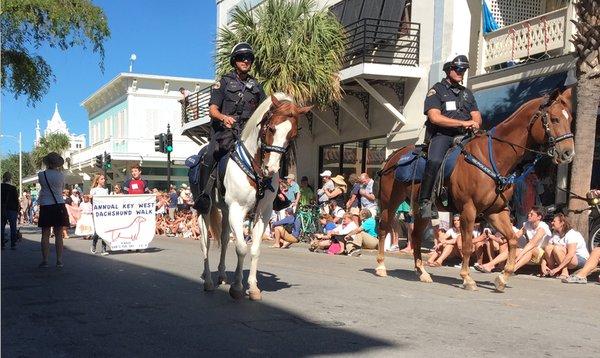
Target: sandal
x=481 y=269
x=574 y=279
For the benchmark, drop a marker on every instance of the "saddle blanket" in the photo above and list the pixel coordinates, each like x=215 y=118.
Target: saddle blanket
x=413 y=162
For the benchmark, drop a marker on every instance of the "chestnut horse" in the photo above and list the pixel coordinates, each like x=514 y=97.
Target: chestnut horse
x=540 y=124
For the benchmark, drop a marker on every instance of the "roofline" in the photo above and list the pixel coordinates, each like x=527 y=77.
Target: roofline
x=146 y=76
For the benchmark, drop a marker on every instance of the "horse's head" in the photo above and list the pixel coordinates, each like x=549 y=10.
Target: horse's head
x=551 y=126
x=278 y=129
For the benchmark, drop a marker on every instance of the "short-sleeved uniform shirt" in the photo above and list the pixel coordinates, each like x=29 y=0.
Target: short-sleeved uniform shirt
x=235 y=98
x=454 y=101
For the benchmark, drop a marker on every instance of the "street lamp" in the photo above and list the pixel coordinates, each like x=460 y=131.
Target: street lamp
x=132 y=58
x=20 y=141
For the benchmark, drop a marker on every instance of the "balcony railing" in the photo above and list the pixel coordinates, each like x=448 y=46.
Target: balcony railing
x=528 y=40
x=195 y=106
x=382 y=41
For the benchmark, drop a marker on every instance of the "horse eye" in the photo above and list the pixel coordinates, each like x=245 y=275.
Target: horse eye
x=554 y=119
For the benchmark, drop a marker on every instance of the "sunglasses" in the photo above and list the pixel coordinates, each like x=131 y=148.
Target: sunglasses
x=459 y=70
x=244 y=57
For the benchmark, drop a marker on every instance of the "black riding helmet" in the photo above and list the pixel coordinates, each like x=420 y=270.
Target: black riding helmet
x=460 y=61
x=239 y=49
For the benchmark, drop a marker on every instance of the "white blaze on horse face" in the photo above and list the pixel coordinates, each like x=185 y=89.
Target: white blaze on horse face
x=279 y=140
x=566 y=114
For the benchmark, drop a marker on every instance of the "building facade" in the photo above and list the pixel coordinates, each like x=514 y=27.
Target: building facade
x=57 y=125
x=124 y=115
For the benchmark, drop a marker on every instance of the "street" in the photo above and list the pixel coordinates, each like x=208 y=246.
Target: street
x=152 y=304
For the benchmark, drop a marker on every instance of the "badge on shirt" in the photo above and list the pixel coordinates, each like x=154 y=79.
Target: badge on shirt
x=217 y=85
x=450 y=106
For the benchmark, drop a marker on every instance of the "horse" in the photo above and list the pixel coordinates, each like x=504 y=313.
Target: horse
x=251 y=174
x=541 y=126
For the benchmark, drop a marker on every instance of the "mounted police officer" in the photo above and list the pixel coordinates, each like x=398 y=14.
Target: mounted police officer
x=232 y=101
x=451 y=110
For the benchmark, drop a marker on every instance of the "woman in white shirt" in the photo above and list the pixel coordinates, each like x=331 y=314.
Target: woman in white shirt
x=571 y=256
x=98 y=188
x=53 y=213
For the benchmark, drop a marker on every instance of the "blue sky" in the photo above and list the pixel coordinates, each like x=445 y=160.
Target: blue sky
x=169 y=38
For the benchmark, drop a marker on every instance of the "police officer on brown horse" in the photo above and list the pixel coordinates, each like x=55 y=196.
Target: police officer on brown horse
x=232 y=101
x=451 y=110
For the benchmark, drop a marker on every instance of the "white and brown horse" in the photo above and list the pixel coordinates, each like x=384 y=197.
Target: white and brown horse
x=265 y=138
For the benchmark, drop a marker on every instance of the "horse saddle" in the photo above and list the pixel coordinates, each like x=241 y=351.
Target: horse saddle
x=411 y=165
x=194 y=164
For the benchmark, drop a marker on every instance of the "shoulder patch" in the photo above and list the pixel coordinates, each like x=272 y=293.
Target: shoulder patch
x=431 y=92
x=217 y=85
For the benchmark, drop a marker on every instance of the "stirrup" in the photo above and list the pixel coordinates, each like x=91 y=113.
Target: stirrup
x=427 y=210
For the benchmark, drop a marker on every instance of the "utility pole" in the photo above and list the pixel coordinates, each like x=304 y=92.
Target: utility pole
x=169 y=149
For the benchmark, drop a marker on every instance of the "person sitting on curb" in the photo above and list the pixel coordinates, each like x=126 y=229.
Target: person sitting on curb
x=590 y=265
x=322 y=242
x=335 y=211
x=571 y=256
x=363 y=237
x=447 y=244
x=287 y=230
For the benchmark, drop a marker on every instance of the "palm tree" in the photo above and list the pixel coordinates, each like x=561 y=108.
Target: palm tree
x=587 y=42
x=54 y=142
x=298 y=48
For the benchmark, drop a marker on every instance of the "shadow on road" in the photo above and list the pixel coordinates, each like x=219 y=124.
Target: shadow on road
x=410 y=275
x=107 y=307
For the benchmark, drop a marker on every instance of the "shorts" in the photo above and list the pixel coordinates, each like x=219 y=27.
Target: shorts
x=287 y=237
x=536 y=257
x=580 y=261
x=54 y=215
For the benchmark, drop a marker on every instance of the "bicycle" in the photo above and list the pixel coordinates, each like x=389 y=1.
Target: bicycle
x=309 y=221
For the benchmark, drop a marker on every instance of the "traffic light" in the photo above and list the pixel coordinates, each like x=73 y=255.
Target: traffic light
x=98 y=163
x=159 y=143
x=169 y=143
x=107 y=161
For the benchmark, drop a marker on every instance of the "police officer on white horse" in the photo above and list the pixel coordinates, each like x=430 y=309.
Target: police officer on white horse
x=232 y=101
x=451 y=110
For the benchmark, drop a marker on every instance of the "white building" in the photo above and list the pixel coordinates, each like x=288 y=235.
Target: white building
x=395 y=51
x=57 y=125
x=124 y=115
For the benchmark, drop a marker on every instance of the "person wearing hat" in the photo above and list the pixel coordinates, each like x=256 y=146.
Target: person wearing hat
x=293 y=192
x=451 y=110
x=339 y=189
x=327 y=187
x=233 y=99
x=53 y=213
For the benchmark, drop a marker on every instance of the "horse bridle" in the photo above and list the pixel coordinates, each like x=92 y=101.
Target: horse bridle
x=552 y=141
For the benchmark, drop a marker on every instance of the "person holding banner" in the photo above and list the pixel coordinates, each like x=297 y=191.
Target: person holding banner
x=53 y=213
x=135 y=184
x=98 y=188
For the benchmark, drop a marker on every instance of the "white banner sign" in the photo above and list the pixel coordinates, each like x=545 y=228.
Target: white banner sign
x=125 y=222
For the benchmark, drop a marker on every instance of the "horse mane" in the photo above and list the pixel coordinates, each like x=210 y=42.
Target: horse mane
x=517 y=113
x=259 y=113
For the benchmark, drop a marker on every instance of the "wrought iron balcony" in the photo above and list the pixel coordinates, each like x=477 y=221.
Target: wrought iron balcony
x=195 y=106
x=381 y=41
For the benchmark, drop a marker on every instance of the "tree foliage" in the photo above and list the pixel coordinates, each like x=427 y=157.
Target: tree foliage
x=10 y=163
x=26 y=25
x=54 y=142
x=298 y=48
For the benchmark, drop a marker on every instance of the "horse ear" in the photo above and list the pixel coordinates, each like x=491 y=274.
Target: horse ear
x=275 y=101
x=304 y=109
x=567 y=96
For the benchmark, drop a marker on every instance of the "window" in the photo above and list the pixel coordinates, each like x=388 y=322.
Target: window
x=358 y=157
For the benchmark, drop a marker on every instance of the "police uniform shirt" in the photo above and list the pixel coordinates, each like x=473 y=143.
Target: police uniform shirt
x=453 y=100
x=235 y=97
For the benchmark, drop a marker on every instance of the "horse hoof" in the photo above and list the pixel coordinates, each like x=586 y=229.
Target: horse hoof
x=425 y=277
x=209 y=286
x=500 y=283
x=381 y=272
x=235 y=293
x=255 y=295
x=470 y=286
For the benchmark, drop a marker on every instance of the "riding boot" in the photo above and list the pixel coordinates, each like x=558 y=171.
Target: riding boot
x=202 y=202
x=426 y=208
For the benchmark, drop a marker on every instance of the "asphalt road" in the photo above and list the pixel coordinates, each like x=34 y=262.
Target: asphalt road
x=152 y=304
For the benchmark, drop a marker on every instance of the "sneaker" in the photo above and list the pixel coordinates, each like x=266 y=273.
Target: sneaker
x=574 y=279
x=93 y=250
x=104 y=253
x=355 y=253
x=59 y=264
x=44 y=264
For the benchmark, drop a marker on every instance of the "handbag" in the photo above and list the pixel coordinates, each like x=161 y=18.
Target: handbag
x=62 y=209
